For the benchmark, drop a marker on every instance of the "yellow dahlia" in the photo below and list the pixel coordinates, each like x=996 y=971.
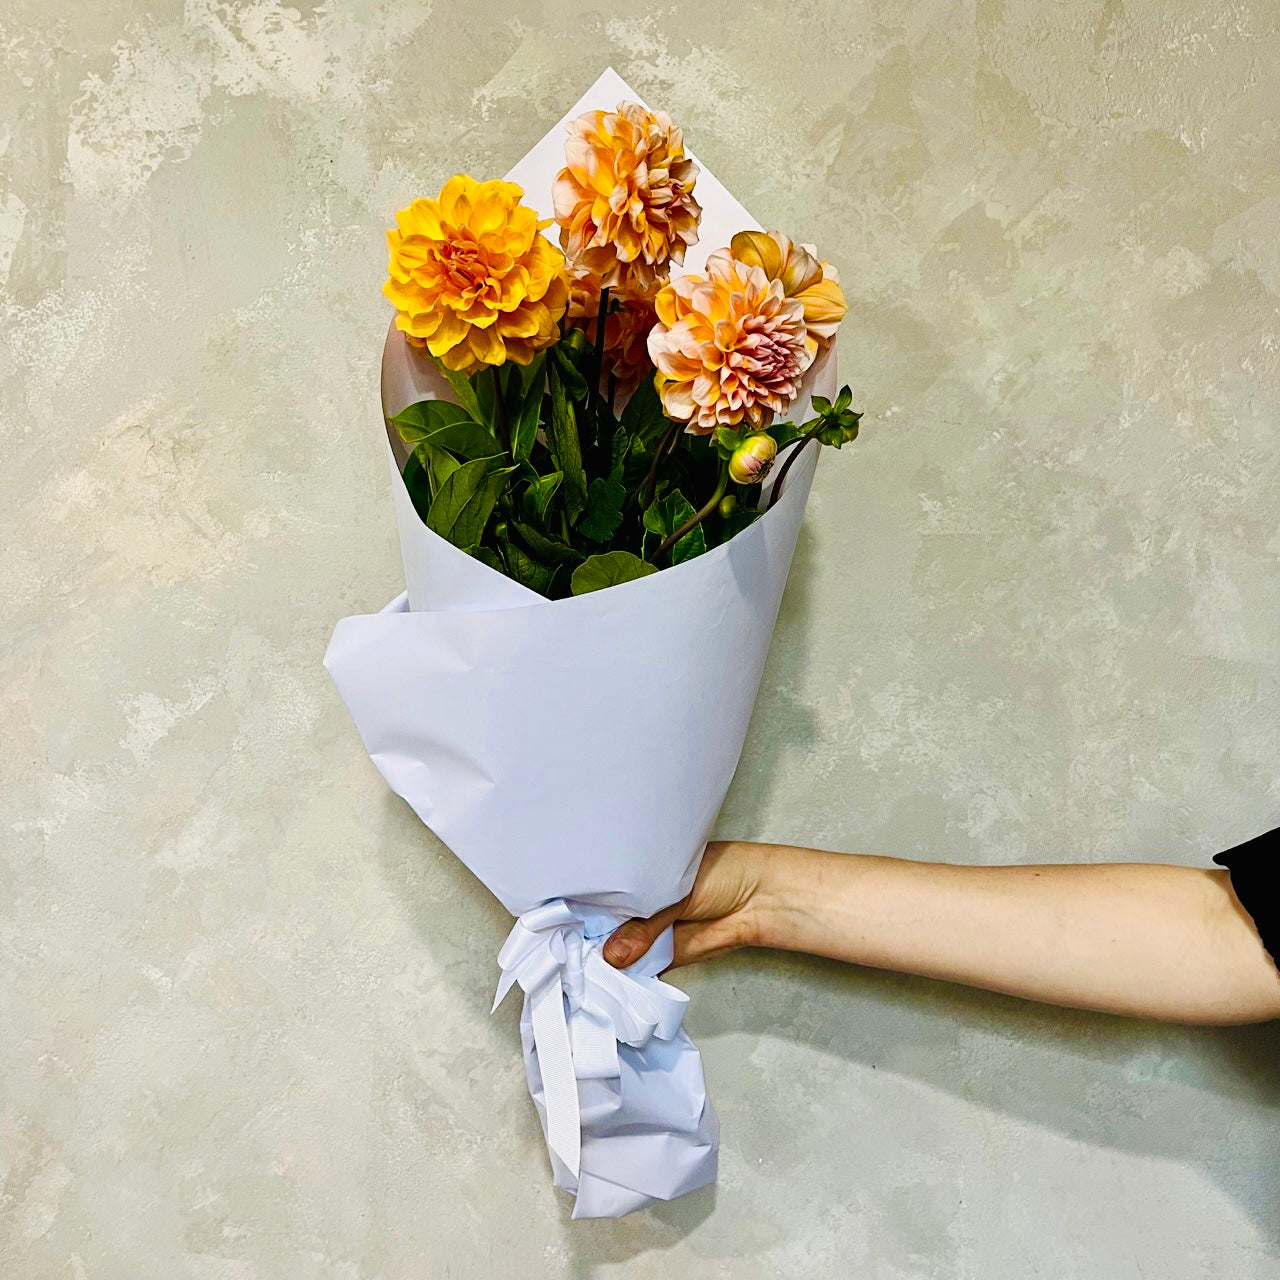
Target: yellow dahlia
x=472 y=279
x=729 y=347
x=816 y=285
x=626 y=327
x=624 y=201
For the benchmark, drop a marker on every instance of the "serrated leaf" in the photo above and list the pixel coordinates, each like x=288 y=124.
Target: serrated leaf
x=664 y=516
x=608 y=569
x=462 y=506
x=603 y=515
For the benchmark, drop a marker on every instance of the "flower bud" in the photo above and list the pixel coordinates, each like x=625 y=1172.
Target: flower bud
x=728 y=505
x=753 y=459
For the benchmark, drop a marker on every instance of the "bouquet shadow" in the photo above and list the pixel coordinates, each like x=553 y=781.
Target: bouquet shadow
x=1162 y=1092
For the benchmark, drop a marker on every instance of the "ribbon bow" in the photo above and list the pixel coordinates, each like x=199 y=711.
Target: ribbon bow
x=550 y=956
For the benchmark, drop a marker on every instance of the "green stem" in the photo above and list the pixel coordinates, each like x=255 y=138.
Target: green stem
x=695 y=520
x=645 y=491
x=597 y=363
x=776 y=491
x=500 y=411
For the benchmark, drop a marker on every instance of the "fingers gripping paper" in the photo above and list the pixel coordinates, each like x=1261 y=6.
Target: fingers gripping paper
x=574 y=754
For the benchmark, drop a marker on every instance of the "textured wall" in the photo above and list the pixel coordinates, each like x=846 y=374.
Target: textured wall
x=1035 y=615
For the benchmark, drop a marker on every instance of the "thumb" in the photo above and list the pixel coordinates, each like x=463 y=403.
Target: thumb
x=630 y=941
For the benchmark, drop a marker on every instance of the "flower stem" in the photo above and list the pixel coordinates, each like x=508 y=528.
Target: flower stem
x=776 y=491
x=597 y=364
x=695 y=520
x=667 y=443
x=499 y=410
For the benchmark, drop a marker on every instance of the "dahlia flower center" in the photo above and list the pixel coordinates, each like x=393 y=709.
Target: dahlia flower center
x=466 y=268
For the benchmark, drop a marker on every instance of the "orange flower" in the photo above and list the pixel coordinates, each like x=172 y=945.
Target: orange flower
x=729 y=346
x=814 y=284
x=472 y=278
x=626 y=328
x=624 y=201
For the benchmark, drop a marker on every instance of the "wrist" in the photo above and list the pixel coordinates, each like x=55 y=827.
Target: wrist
x=784 y=906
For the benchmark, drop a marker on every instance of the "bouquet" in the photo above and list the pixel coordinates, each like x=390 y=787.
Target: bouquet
x=600 y=461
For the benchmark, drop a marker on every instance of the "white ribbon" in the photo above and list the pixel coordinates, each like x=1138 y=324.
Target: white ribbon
x=548 y=954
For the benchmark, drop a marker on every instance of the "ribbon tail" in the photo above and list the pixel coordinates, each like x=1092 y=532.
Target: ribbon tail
x=559 y=1082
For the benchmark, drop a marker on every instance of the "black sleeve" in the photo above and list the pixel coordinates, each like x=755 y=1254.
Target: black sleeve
x=1255 y=878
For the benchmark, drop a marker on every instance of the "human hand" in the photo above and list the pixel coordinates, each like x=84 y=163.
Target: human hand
x=722 y=912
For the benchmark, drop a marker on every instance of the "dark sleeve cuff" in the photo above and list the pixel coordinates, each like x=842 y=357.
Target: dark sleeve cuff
x=1256 y=881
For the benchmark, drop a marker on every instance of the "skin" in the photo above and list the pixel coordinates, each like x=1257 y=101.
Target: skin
x=1146 y=941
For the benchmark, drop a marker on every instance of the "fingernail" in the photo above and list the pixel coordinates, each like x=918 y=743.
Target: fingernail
x=619 y=951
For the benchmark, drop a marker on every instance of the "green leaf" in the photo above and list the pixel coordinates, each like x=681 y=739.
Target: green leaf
x=468 y=393
x=566 y=451
x=524 y=425
x=545 y=548
x=536 y=499
x=418 y=483
x=574 y=382
x=447 y=426
x=727 y=440
x=643 y=417
x=524 y=568
x=840 y=429
x=784 y=433
x=664 y=516
x=487 y=555
x=740 y=519
x=603 y=515
x=608 y=569
x=464 y=503
x=438 y=465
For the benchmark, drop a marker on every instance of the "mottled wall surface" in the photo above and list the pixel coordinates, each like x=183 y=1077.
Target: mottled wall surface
x=244 y=1028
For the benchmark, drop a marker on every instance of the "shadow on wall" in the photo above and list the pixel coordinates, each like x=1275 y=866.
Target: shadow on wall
x=1166 y=1092
x=1097 y=1080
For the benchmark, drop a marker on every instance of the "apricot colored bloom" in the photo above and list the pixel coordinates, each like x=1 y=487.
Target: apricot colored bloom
x=816 y=285
x=472 y=279
x=626 y=328
x=624 y=201
x=730 y=347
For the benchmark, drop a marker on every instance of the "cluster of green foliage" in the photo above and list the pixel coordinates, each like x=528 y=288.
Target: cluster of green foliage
x=533 y=472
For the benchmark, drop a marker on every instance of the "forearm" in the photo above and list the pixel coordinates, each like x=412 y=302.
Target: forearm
x=1147 y=941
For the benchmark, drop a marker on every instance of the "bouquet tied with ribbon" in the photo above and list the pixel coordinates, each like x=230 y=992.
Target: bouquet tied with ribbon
x=600 y=454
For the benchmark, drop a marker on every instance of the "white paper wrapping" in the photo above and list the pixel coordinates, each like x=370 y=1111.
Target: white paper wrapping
x=574 y=754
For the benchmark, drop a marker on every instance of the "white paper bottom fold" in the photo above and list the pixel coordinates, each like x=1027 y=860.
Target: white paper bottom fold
x=616 y=1082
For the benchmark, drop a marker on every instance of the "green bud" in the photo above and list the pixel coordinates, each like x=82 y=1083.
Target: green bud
x=728 y=505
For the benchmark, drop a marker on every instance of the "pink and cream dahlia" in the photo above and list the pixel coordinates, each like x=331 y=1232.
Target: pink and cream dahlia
x=729 y=346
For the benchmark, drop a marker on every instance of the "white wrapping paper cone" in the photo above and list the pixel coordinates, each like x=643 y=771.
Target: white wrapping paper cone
x=574 y=754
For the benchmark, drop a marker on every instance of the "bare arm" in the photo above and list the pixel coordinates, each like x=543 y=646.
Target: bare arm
x=1148 y=941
